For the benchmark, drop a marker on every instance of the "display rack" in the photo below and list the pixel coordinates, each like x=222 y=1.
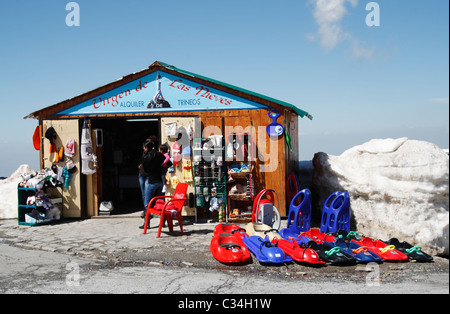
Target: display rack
x=29 y=214
x=210 y=175
x=240 y=185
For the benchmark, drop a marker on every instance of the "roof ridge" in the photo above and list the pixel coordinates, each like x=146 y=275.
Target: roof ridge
x=297 y=110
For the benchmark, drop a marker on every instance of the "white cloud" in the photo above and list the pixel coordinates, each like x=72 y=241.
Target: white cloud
x=358 y=51
x=329 y=15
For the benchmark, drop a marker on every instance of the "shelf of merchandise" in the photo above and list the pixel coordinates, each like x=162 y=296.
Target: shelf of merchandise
x=210 y=175
x=24 y=209
x=240 y=172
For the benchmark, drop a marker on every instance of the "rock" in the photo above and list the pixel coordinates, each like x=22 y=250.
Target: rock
x=398 y=188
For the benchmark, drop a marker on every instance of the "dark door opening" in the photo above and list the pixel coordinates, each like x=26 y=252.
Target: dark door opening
x=122 y=149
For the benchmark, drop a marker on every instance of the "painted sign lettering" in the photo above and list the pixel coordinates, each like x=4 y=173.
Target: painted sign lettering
x=160 y=92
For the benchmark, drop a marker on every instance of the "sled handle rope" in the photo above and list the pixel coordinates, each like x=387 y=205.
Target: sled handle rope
x=352 y=233
x=240 y=230
x=334 y=250
x=387 y=248
x=414 y=249
x=360 y=249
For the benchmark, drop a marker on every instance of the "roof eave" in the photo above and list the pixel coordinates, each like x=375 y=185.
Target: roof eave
x=161 y=65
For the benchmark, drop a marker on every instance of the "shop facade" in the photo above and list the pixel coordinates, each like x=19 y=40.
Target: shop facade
x=179 y=107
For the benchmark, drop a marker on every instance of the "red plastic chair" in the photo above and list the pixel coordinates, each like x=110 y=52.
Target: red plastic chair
x=167 y=210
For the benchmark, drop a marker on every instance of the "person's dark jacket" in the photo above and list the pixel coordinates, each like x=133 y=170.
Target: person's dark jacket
x=152 y=166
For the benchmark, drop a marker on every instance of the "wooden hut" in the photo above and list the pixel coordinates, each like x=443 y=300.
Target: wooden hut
x=156 y=101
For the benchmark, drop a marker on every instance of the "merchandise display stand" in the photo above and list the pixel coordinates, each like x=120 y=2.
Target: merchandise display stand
x=210 y=175
x=240 y=185
x=30 y=213
x=240 y=201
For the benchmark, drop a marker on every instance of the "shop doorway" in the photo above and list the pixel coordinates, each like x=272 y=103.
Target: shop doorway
x=120 y=154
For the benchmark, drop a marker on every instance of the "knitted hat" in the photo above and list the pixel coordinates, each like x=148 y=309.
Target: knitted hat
x=50 y=134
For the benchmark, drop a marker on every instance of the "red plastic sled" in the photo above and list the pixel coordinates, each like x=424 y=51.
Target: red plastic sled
x=386 y=252
x=317 y=236
x=304 y=255
x=227 y=245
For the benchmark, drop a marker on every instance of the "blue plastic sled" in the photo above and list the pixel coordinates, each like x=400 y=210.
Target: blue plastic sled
x=299 y=216
x=336 y=213
x=265 y=251
x=359 y=253
x=288 y=234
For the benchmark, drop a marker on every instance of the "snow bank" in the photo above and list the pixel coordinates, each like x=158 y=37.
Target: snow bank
x=398 y=188
x=8 y=192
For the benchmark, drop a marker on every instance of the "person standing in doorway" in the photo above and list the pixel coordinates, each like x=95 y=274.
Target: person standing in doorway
x=150 y=172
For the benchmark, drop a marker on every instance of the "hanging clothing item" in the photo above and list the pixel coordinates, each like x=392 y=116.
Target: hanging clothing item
x=187 y=171
x=66 y=176
x=60 y=154
x=190 y=132
x=52 y=153
x=50 y=134
x=171 y=129
x=176 y=149
x=36 y=139
x=186 y=152
x=87 y=151
x=70 y=148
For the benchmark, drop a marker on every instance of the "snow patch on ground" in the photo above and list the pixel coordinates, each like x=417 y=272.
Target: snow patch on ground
x=8 y=192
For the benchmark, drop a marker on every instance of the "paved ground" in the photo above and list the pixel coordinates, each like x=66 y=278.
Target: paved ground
x=119 y=241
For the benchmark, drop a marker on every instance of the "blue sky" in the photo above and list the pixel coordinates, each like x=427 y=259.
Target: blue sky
x=358 y=82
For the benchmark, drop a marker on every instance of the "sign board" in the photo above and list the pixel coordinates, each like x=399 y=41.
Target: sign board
x=160 y=92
